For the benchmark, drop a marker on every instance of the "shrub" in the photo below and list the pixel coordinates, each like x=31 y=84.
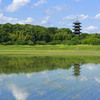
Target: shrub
x=10 y=43
x=55 y=42
x=30 y=42
x=21 y=42
x=41 y=42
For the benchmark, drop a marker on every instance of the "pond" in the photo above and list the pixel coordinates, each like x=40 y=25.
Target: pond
x=49 y=78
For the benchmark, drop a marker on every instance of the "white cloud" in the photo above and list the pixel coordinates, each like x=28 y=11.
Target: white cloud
x=90 y=29
x=40 y=3
x=18 y=93
x=77 y=0
x=4 y=19
x=1 y=15
x=70 y=17
x=56 y=9
x=61 y=23
x=59 y=7
x=0 y=1
x=28 y=20
x=45 y=20
x=9 y=19
x=83 y=17
x=17 y=4
x=73 y=17
x=97 y=16
x=70 y=24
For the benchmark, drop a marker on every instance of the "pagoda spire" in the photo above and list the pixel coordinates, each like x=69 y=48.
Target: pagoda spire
x=77 y=18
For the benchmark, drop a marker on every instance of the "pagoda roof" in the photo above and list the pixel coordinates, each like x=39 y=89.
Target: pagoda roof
x=77 y=26
x=77 y=22
x=77 y=29
x=77 y=32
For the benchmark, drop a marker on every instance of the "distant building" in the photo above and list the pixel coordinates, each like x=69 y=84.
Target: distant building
x=77 y=28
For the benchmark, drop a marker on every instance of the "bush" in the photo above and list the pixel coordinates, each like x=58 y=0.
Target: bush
x=10 y=43
x=66 y=42
x=3 y=43
x=41 y=42
x=92 y=41
x=55 y=42
x=75 y=40
x=21 y=42
x=30 y=42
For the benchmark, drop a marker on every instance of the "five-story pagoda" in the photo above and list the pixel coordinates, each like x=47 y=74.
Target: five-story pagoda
x=77 y=27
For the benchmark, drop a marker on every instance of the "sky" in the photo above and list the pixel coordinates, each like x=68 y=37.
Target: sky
x=52 y=13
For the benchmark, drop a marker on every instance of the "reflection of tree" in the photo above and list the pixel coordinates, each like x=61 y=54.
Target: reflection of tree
x=17 y=64
x=10 y=65
x=76 y=70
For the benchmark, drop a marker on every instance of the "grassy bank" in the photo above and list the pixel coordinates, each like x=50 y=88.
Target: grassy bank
x=50 y=50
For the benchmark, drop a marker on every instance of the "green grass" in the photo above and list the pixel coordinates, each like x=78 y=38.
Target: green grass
x=50 y=50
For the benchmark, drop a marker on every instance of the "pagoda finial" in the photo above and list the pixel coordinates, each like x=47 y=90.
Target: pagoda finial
x=77 y=18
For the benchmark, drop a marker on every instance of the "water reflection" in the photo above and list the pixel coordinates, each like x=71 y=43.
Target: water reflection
x=76 y=70
x=49 y=78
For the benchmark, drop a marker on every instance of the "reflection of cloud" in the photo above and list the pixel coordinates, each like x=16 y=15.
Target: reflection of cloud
x=18 y=93
x=76 y=96
x=83 y=78
x=90 y=66
x=70 y=77
x=39 y=91
x=80 y=78
x=45 y=75
x=97 y=79
x=29 y=75
x=1 y=79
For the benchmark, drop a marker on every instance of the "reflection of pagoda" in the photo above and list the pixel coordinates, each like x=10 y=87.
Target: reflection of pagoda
x=76 y=70
x=77 y=27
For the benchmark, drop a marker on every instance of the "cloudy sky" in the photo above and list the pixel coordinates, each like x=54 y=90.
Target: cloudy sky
x=52 y=13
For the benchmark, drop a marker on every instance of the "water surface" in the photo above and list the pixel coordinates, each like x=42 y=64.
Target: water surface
x=47 y=78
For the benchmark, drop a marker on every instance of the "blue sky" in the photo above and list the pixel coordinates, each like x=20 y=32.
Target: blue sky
x=52 y=13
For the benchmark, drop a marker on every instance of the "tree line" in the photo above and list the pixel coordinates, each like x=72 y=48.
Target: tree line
x=18 y=34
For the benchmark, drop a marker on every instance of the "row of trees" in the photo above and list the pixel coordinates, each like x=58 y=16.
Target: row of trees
x=32 y=34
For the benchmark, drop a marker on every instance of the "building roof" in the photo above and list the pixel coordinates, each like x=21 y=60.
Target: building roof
x=77 y=26
x=77 y=29
x=77 y=22
x=77 y=32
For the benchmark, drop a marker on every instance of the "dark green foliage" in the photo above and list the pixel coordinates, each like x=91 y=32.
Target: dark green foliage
x=30 y=42
x=55 y=42
x=10 y=43
x=21 y=42
x=33 y=34
x=93 y=39
x=75 y=40
x=84 y=35
x=41 y=42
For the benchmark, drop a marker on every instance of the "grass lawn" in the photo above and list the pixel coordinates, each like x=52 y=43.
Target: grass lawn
x=50 y=50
